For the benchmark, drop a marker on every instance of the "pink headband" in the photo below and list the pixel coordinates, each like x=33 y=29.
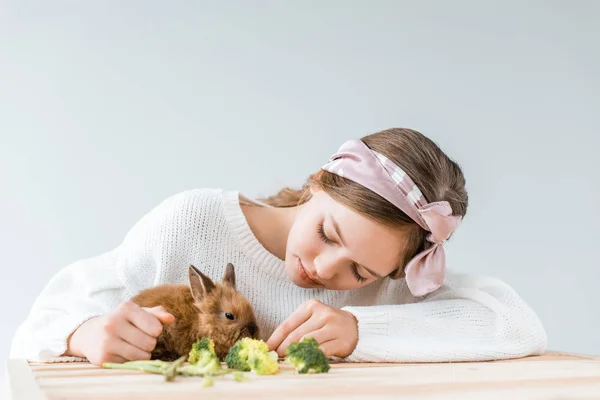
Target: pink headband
x=425 y=273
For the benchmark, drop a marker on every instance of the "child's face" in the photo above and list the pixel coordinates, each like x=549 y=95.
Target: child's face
x=331 y=261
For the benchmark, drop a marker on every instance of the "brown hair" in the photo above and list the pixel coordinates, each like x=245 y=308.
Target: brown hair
x=437 y=176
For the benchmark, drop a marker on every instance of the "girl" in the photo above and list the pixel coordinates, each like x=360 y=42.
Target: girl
x=355 y=259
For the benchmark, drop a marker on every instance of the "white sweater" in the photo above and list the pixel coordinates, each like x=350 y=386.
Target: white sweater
x=469 y=318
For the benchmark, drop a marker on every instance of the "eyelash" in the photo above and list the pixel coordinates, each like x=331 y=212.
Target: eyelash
x=324 y=237
x=359 y=278
x=322 y=234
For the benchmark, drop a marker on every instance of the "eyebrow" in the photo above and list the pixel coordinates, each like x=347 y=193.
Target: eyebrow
x=339 y=233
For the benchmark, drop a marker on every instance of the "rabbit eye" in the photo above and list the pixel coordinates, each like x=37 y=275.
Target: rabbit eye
x=229 y=316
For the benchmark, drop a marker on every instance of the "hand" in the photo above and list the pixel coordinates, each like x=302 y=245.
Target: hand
x=335 y=330
x=127 y=333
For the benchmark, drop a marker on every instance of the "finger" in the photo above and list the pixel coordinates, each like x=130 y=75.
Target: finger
x=321 y=335
x=163 y=315
x=310 y=326
x=298 y=317
x=329 y=348
x=114 y=358
x=143 y=319
x=136 y=337
x=128 y=351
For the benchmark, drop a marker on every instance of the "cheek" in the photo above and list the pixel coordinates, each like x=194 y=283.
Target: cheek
x=302 y=241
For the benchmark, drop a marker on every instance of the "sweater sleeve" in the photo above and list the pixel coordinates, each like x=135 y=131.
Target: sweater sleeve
x=77 y=293
x=95 y=286
x=468 y=319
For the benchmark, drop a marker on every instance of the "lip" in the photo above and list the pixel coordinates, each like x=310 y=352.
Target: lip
x=303 y=274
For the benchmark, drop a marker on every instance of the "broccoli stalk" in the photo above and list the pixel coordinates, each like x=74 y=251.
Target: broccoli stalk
x=249 y=354
x=205 y=367
x=203 y=362
x=168 y=369
x=152 y=366
x=307 y=357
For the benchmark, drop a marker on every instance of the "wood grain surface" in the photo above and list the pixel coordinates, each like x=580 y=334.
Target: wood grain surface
x=551 y=376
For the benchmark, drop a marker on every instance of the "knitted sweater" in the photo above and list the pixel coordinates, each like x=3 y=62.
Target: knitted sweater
x=468 y=318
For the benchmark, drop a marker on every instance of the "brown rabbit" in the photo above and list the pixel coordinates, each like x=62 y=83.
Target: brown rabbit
x=202 y=309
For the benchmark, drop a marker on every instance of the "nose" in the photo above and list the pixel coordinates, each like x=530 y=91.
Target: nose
x=252 y=328
x=326 y=265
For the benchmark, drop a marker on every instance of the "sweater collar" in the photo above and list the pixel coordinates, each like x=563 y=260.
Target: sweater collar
x=249 y=244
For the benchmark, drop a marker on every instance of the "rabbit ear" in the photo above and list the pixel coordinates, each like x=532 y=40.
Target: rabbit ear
x=229 y=276
x=200 y=284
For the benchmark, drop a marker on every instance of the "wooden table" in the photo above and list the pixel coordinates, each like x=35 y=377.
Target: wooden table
x=552 y=376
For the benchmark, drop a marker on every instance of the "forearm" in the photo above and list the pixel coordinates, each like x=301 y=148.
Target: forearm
x=458 y=325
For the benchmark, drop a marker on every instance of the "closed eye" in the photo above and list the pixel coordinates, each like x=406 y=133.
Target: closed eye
x=358 y=277
x=323 y=235
x=354 y=266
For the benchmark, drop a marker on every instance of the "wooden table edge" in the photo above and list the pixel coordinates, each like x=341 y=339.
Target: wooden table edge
x=21 y=381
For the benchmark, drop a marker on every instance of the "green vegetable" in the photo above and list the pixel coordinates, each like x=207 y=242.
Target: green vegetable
x=208 y=381
x=202 y=346
x=171 y=370
x=209 y=369
x=307 y=357
x=239 y=376
x=168 y=369
x=203 y=359
x=249 y=354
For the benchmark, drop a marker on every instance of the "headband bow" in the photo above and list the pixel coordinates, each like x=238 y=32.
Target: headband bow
x=425 y=272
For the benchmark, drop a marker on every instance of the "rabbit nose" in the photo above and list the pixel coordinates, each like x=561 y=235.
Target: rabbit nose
x=252 y=329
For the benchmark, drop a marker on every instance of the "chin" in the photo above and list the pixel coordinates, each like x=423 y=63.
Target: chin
x=300 y=283
x=293 y=276
x=291 y=272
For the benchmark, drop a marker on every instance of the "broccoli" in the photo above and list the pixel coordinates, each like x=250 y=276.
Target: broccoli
x=239 y=376
x=202 y=357
x=153 y=366
x=203 y=360
x=306 y=356
x=249 y=354
x=166 y=368
x=205 y=367
x=202 y=346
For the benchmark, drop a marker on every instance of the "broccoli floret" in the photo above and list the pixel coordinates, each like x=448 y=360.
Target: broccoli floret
x=264 y=363
x=249 y=354
x=202 y=346
x=203 y=360
x=306 y=356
